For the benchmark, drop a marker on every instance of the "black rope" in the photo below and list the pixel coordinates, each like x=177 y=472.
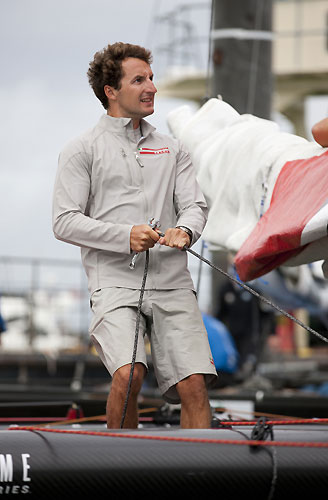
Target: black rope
x=259 y=296
x=142 y=289
x=260 y=432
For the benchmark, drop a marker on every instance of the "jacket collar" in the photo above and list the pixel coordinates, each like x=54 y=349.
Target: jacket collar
x=124 y=125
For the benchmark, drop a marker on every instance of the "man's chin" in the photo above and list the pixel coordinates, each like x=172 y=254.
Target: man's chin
x=148 y=112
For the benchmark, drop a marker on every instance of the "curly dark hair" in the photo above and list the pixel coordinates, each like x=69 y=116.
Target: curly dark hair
x=106 y=67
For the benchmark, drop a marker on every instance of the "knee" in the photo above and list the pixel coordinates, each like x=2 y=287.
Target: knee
x=192 y=387
x=122 y=376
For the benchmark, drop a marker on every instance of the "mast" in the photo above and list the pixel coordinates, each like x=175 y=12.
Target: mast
x=242 y=54
x=241 y=38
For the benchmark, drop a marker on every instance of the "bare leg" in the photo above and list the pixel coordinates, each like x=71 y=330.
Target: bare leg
x=195 y=407
x=117 y=397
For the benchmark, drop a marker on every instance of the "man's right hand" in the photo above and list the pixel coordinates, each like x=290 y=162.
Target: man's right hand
x=142 y=238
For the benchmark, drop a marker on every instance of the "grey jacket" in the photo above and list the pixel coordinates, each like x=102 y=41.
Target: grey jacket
x=107 y=181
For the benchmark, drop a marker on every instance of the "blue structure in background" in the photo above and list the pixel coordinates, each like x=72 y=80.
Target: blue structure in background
x=225 y=354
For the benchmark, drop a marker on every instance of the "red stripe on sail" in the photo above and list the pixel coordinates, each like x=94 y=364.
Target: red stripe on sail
x=301 y=189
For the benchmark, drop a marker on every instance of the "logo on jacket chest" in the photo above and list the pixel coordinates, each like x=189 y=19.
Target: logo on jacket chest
x=151 y=151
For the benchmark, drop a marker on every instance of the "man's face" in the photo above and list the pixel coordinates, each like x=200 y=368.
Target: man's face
x=135 y=98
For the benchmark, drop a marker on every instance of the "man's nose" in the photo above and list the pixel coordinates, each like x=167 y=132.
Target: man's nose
x=151 y=87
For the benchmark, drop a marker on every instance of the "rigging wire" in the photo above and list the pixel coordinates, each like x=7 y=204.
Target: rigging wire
x=208 y=69
x=258 y=295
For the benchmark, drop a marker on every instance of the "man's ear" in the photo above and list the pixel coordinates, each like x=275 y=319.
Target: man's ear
x=110 y=93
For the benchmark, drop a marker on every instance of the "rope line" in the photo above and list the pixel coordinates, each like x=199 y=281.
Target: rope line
x=248 y=442
x=288 y=421
x=276 y=422
x=258 y=295
x=142 y=290
x=62 y=421
x=236 y=411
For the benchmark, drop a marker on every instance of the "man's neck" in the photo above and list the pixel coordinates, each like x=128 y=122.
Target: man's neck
x=136 y=122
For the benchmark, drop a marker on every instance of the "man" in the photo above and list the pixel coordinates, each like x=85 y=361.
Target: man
x=110 y=182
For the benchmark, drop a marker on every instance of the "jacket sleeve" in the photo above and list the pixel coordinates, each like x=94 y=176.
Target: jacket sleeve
x=190 y=203
x=71 y=222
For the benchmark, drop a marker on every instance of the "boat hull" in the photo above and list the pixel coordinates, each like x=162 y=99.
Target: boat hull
x=91 y=462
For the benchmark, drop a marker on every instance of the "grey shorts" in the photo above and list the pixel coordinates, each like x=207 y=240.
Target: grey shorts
x=173 y=322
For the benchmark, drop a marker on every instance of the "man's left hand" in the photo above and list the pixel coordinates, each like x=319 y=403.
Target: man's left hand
x=175 y=238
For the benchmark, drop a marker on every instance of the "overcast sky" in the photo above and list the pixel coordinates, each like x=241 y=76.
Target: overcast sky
x=45 y=99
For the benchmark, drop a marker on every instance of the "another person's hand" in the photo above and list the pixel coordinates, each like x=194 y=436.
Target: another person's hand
x=142 y=238
x=320 y=132
x=175 y=238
